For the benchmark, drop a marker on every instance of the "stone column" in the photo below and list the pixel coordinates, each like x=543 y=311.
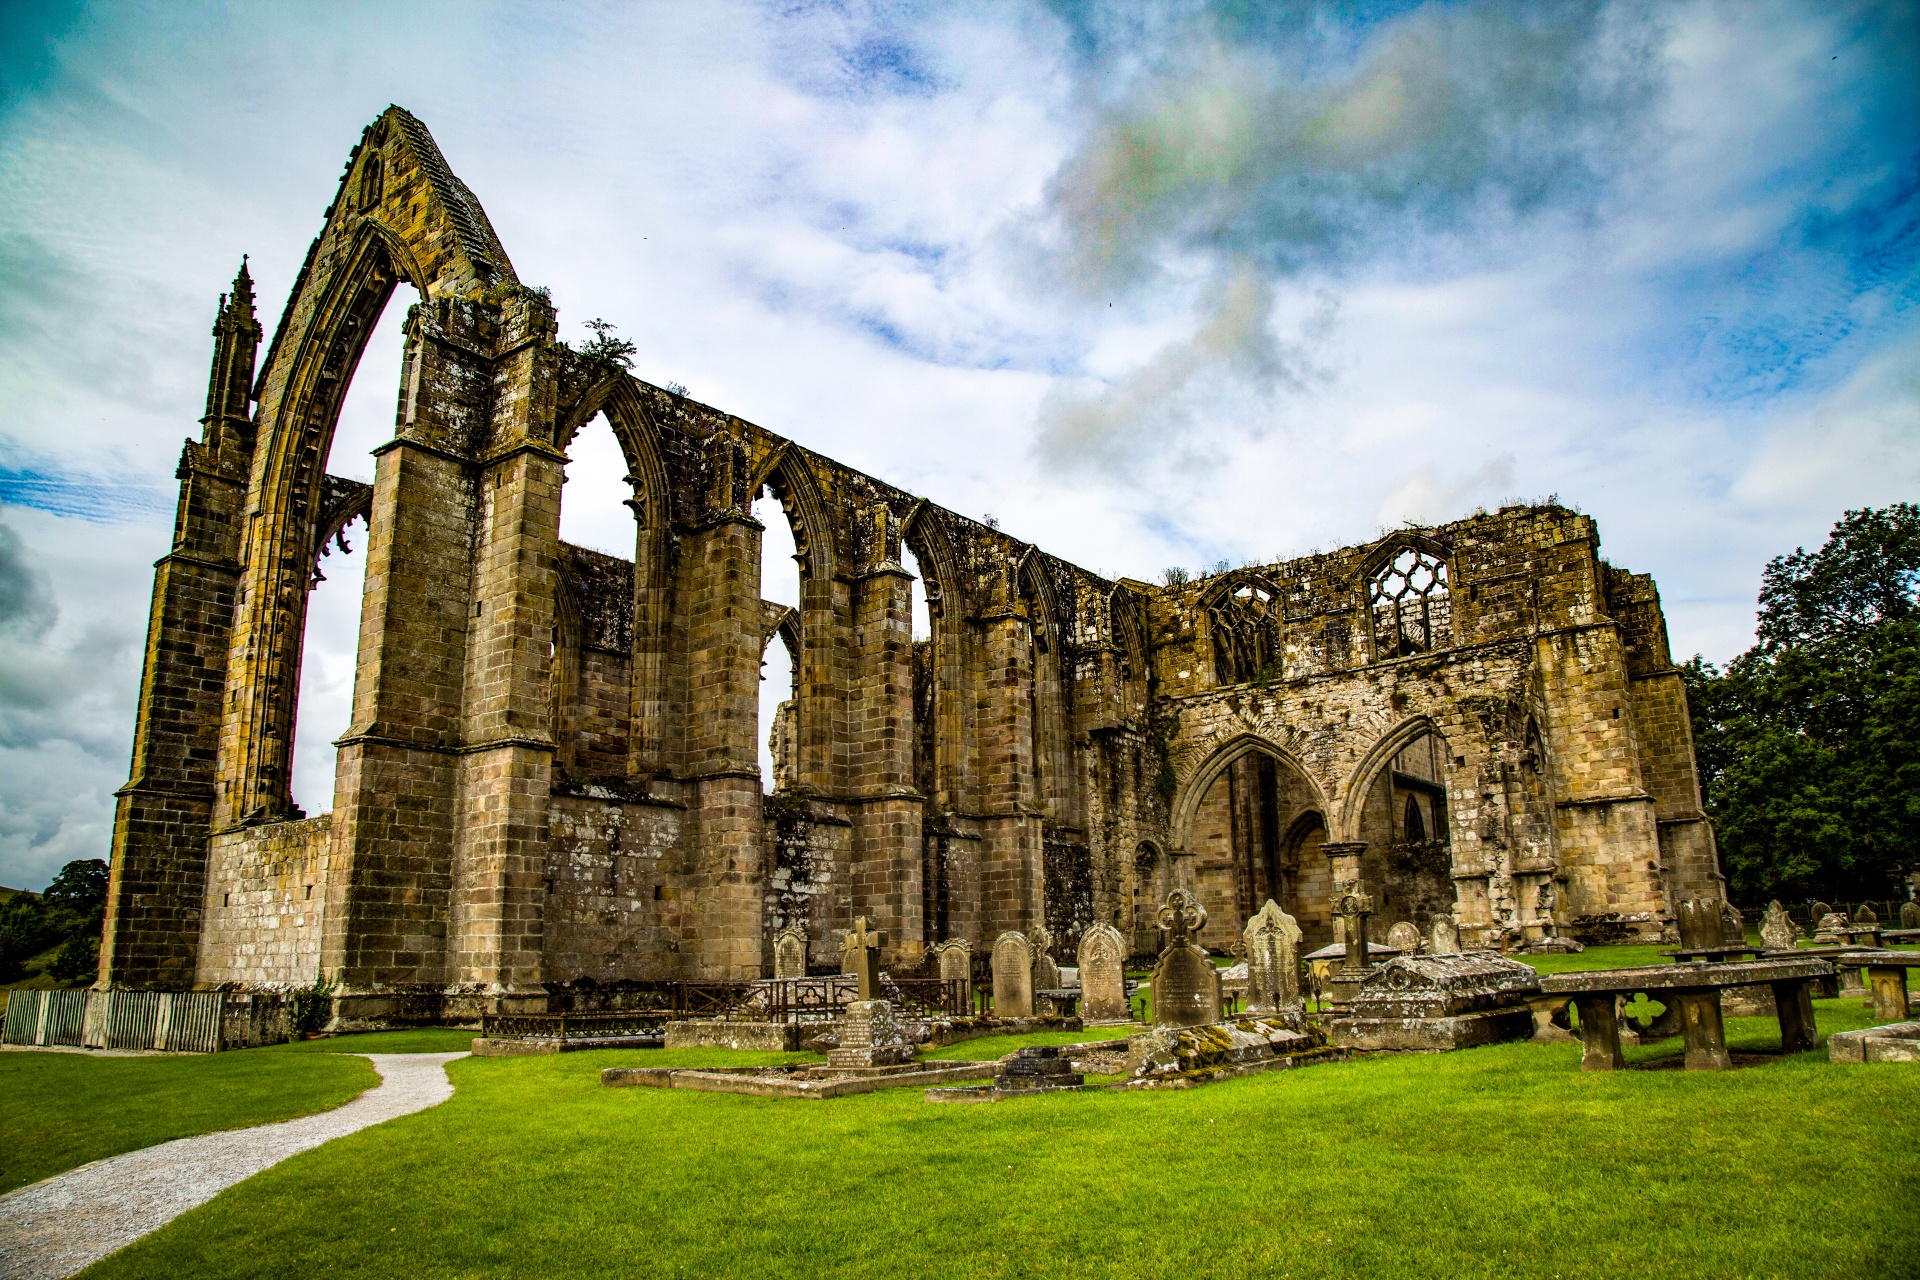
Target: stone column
x=886 y=809
x=721 y=563
x=388 y=900
x=1011 y=849
x=504 y=787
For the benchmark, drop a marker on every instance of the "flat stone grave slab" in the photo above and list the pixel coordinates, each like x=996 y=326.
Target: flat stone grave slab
x=1696 y=989
x=816 y=1081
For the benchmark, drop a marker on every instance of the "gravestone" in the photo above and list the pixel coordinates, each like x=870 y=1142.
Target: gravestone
x=1700 y=922
x=1446 y=936
x=1404 y=937
x=790 y=952
x=1186 y=986
x=1103 y=979
x=1733 y=925
x=870 y=1036
x=1352 y=907
x=860 y=956
x=1012 y=976
x=1910 y=915
x=1827 y=931
x=1776 y=930
x=956 y=959
x=1272 y=938
x=1818 y=910
x=1866 y=916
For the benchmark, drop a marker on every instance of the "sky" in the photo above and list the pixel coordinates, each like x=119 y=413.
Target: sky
x=1152 y=284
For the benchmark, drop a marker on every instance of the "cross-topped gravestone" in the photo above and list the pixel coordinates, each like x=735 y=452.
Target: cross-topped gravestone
x=1354 y=905
x=1776 y=930
x=1272 y=940
x=1186 y=986
x=860 y=952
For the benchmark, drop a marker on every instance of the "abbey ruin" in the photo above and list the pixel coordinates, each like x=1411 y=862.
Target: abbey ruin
x=551 y=781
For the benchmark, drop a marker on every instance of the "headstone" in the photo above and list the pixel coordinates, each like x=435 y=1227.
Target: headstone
x=1827 y=931
x=1186 y=986
x=1733 y=926
x=1776 y=931
x=860 y=956
x=1818 y=910
x=1103 y=978
x=1012 y=976
x=1866 y=915
x=1404 y=937
x=1353 y=906
x=956 y=959
x=790 y=952
x=1273 y=960
x=869 y=1037
x=1699 y=921
x=1446 y=936
x=1910 y=915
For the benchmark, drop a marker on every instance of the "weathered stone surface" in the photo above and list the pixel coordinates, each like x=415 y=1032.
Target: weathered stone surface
x=1439 y=1002
x=955 y=959
x=1404 y=937
x=1898 y=1042
x=550 y=781
x=1186 y=986
x=1103 y=979
x=860 y=956
x=1910 y=915
x=1701 y=922
x=790 y=952
x=708 y=1033
x=1012 y=976
x=870 y=1036
x=1273 y=960
x=1174 y=1050
x=1446 y=936
x=1776 y=930
x=1831 y=928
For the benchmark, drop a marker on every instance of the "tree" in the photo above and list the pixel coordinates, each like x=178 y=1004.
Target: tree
x=1809 y=743
x=80 y=889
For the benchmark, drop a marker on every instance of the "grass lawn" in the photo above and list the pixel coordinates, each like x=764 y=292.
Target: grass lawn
x=1503 y=1161
x=59 y=1110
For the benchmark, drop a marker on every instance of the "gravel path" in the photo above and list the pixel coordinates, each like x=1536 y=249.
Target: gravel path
x=66 y=1223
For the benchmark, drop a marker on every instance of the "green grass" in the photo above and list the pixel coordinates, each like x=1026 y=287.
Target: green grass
x=60 y=1110
x=1504 y=1161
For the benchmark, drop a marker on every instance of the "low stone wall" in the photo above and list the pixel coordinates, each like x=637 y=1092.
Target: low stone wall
x=1895 y=1042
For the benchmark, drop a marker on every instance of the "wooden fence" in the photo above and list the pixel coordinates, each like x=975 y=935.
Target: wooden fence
x=175 y=1021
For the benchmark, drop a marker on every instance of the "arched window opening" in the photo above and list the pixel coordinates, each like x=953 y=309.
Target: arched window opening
x=1413 y=826
x=1245 y=626
x=779 y=657
x=1412 y=605
x=330 y=638
x=926 y=682
x=1246 y=842
x=590 y=677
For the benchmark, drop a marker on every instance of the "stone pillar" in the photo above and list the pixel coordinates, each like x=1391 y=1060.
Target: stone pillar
x=163 y=816
x=1012 y=888
x=388 y=899
x=504 y=784
x=886 y=809
x=721 y=562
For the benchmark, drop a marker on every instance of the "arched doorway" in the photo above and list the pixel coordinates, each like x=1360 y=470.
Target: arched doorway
x=1254 y=828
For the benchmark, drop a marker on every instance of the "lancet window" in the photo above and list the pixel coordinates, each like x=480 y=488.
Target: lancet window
x=1412 y=605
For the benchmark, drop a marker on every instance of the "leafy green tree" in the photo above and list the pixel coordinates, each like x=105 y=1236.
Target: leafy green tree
x=1809 y=743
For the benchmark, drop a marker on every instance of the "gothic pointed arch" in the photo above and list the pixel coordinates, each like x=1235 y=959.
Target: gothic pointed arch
x=1359 y=783
x=1186 y=802
x=398 y=215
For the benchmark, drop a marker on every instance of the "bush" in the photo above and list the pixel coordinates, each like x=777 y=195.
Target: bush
x=309 y=1011
x=78 y=958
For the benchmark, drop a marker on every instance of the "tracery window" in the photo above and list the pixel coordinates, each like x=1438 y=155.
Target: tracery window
x=1412 y=605
x=1245 y=626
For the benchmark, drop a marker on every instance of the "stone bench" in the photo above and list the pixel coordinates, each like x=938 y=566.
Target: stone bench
x=1897 y=1043
x=1696 y=989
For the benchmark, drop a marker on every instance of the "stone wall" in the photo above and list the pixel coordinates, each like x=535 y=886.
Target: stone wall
x=266 y=903
x=552 y=773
